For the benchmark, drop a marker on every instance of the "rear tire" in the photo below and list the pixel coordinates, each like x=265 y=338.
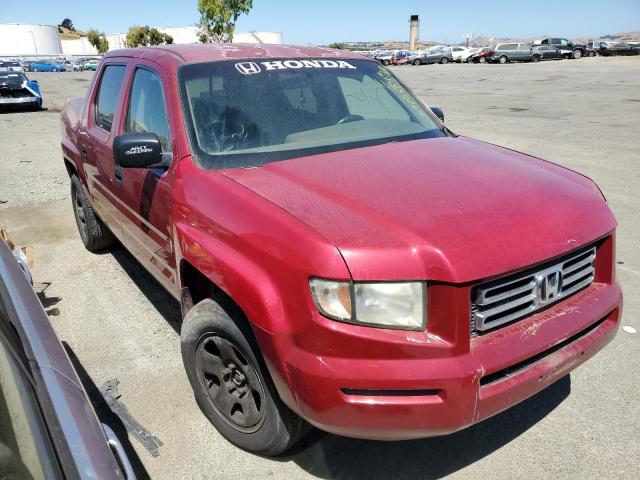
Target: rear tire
x=482 y=60
x=417 y=61
x=94 y=234
x=535 y=58
x=444 y=61
x=230 y=382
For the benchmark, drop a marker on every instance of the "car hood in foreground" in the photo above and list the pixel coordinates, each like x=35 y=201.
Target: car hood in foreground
x=450 y=209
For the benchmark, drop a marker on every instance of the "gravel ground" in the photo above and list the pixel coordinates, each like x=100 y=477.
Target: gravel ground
x=118 y=323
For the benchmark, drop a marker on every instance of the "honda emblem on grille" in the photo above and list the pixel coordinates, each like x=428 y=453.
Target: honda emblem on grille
x=549 y=286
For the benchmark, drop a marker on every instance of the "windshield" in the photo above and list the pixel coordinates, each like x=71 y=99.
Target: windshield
x=249 y=113
x=12 y=77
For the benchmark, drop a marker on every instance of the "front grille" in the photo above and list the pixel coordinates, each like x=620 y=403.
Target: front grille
x=511 y=298
x=15 y=93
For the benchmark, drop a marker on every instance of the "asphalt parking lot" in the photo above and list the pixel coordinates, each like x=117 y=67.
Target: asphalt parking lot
x=117 y=323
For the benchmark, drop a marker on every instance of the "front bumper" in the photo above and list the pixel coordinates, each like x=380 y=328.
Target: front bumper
x=19 y=101
x=433 y=387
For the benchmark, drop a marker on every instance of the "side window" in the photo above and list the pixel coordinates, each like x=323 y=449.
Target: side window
x=564 y=42
x=556 y=41
x=106 y=99
x=545 y=41
x=25 y=448
x=147 y=111
x=369 y=99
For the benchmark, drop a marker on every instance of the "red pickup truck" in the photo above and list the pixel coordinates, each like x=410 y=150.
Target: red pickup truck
x=342 y=258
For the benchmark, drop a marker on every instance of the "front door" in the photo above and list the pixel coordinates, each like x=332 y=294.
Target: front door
x=146 y=209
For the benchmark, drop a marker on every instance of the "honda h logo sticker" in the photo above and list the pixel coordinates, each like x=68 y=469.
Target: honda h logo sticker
x=248 y=68
x=549 y=286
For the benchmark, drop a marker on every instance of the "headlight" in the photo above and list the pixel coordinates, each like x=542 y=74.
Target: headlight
x=399 y=305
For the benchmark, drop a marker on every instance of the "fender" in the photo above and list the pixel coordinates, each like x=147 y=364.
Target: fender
x=256 y=252
x=246 y=282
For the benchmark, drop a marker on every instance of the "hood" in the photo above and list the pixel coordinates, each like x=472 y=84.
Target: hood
x=448 y=209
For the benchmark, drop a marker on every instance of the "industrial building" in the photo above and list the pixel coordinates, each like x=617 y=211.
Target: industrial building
x=24 y=40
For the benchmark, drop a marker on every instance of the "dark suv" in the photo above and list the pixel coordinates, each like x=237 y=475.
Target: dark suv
x=567 y=47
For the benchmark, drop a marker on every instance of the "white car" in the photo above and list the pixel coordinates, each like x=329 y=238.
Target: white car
x=461 y=54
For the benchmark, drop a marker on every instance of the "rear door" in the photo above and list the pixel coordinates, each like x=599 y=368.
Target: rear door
x=97 y=142
x=145 y=193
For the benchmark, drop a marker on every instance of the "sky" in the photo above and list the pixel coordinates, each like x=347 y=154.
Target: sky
x=326 y=21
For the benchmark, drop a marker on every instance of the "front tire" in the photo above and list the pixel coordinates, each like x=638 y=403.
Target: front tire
x=444 y=61
x=535 y=58
x=502 y=60
x=482 y=60
x=417 y=62
x=94 y=234
x=230 y=382
x=577 y=54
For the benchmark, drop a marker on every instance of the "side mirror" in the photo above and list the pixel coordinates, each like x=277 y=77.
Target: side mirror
x=34 y=81
x=137 y=150
x=438 y=113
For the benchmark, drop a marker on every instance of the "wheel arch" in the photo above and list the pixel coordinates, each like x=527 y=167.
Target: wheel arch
x=208 y=266
x=70 y=167
x=196 y=285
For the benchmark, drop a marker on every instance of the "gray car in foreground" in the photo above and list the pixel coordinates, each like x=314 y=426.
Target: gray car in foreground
x=48 y=428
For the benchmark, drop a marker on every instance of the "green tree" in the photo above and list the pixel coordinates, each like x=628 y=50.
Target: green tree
x=218 y=18
x=68 y=24
x=337 y=45
x=98 y=40
x=138 y=36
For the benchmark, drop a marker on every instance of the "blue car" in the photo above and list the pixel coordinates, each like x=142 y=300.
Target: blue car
x=17 y=90
x=46 y=67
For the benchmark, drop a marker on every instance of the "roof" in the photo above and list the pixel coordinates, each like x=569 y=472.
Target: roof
x=207 y=52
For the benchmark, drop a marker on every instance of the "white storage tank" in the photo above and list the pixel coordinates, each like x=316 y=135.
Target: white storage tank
x=21 y=40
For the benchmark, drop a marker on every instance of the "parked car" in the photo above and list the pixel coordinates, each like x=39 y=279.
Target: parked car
x=402 y=57
x=545 y=52
x=432 y=55
x=10 y=66
x=17 y=90
x=384 y=57
x=567 y=47
x=90 y=65
x=480 y=55
x=71 y=66
x=611 y=49
x=45 y=66
x=460 y=54
x=315 y=285
x=511 y=52
x=48 y=426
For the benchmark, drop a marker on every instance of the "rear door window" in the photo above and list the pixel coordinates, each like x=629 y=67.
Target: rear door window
x=107 y=96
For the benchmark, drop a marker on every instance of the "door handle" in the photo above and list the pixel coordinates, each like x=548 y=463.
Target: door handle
x=118 y=175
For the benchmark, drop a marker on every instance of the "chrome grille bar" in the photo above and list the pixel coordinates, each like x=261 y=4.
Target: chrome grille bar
x=505 y=300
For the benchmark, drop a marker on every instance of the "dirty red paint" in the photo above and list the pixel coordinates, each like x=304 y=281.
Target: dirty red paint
x=450 y=211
